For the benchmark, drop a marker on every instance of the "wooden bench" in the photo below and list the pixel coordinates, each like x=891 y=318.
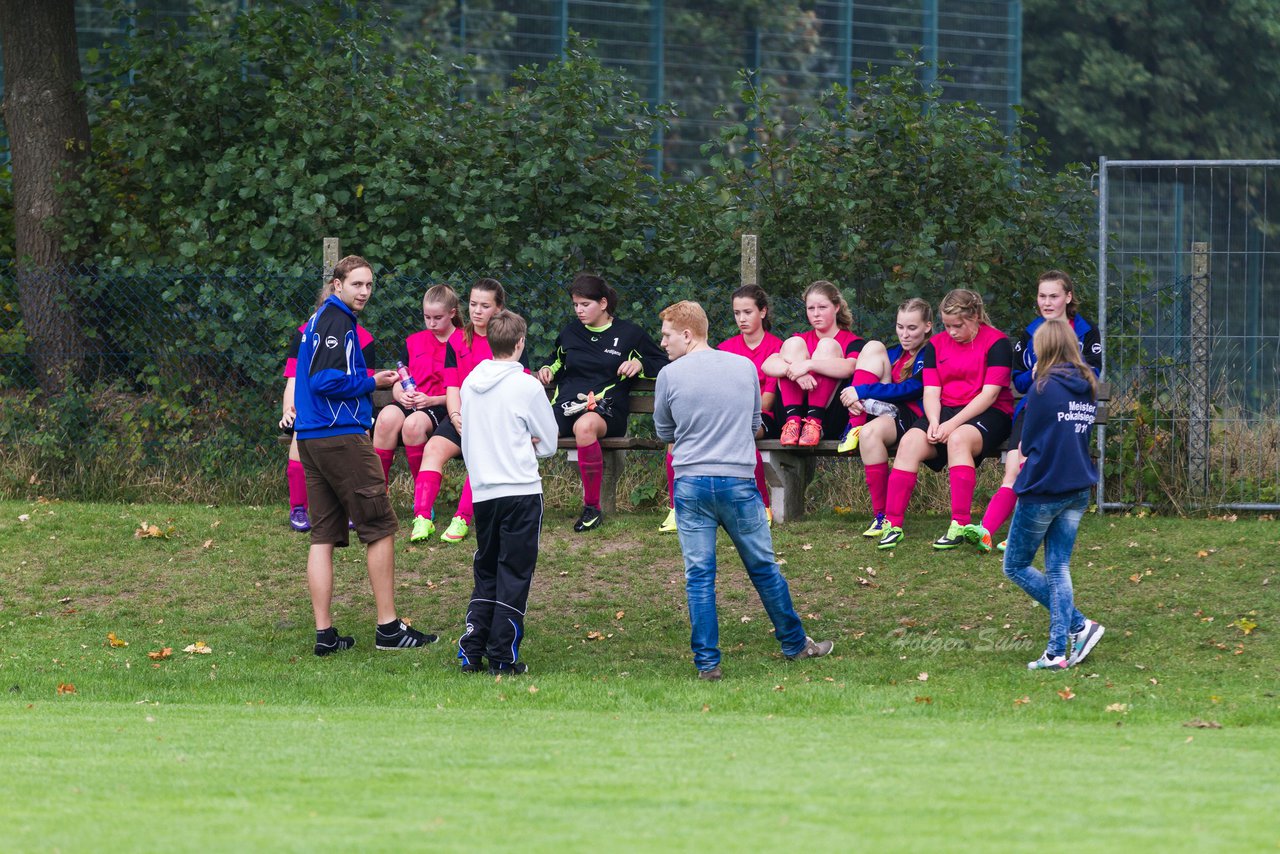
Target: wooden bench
x=788 y=469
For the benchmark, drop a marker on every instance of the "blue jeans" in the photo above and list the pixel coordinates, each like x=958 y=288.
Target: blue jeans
x=704 y=504
x=1054 y=523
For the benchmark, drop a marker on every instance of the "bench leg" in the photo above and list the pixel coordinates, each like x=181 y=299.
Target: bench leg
x=788 y=476
x=613 y=465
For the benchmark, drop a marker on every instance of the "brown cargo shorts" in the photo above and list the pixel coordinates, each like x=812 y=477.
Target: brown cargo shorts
x=345 y=482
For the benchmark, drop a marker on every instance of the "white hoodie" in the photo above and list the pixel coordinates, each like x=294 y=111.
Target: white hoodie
x=503 y=410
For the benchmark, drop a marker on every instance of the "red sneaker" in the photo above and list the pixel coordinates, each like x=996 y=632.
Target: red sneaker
x=810 y=433
x=790 y=432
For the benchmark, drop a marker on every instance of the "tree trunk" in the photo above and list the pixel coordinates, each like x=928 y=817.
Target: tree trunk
x=48 y=134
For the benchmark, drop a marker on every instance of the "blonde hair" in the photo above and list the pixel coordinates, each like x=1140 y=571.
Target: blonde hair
x=686 y=314
x=1055 y=343
x=445 y=296
x=844 y=317
x=920 y=305
x=966 y=303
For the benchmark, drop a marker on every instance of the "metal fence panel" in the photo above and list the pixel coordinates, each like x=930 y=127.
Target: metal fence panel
x=1189 y=294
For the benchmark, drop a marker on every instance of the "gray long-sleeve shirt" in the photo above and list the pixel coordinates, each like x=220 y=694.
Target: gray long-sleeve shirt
x=708 y=403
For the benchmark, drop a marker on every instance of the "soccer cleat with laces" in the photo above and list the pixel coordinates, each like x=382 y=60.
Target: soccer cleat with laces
x=299 y=521
x=668 y=525
x=456 y=531
x=891 y=537
x=423 y=528
x=877 y=527
x=810 y=433
x=589 y=520
x=849 y=441
x=955 y=536
x=790 y=432
x=1049 y=662
x=979 y=536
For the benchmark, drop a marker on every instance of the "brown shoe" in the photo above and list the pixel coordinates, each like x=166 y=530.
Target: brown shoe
x=790 y=432
x=810 y=433
x=712 y=675
x=813 y=649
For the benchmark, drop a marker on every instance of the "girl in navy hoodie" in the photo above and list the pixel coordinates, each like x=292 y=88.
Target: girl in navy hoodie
x=1053 y=490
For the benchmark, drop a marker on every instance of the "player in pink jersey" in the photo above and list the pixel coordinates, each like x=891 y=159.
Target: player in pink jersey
x=467 y=348
x=413 y=416
x=968 y=411
x=299 y=519
x=900 y=391
x=755 y=342
x=811 y=366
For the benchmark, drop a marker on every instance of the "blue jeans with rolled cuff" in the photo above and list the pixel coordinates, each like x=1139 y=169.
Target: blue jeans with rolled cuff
x=1053 y=523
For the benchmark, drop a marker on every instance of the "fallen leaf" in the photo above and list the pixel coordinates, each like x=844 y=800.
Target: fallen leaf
x=25 y=517
x=207 y=544
x=1066 y=693
x=807 y=547
x=1122 y=708
x=1196 y=723
x=928 y=701
x=1136 y=577
x=705 y=708
x=533 y=689
x=149 y=531
x=779 y=687
x=198 y=647
x=746 y=619
x=159 y=654
x=923 y=677
x=1021 y=701
x=594 y=635
x=619 y=615
x=1202 y=553
x=1245 y=625
x=66 y=688
x=115 y=641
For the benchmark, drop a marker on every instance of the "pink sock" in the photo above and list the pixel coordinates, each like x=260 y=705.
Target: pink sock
x=761 y=483
x=821 y=394
x=385 y=457
x=413 y=453
x=465 y=509
x=877 y=485
x=901 y=485
x=297 y=477
x=426 y=486
x=999 y=509
x=671 y=481
x=861 y=377
x=792 y=398
x=963 y=481
x=591 y=466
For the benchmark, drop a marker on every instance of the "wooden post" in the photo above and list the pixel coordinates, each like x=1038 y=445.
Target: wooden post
x=1198 y=374
x=750 y=260
x=332 y=254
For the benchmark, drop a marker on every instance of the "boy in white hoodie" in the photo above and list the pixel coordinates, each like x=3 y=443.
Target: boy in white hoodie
x=509 y=425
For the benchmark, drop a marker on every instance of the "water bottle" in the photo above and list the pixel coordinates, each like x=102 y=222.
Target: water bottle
x=406 y=379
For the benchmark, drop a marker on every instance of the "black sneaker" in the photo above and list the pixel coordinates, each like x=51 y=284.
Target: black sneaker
x=401 y=636
x=507 y=668
x=328 y=641
x=589 y=520
x=472 y=667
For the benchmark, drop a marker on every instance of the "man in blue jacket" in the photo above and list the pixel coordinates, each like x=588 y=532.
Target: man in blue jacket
x=344 y=476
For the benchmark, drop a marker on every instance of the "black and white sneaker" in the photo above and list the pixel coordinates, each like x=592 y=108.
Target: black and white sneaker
x=589 y=520
x=399 y=635
x=507 y=668
x=328 y=641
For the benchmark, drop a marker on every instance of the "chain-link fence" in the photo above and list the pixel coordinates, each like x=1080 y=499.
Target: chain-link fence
x=1190 y=312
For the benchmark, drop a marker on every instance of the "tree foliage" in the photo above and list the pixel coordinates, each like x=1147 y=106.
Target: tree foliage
x=1154 y=78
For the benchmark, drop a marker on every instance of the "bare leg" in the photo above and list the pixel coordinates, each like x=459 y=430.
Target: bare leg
x=382 y=570
x=320 y=582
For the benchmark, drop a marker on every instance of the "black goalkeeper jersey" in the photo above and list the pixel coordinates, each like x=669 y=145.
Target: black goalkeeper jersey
x=586 y=360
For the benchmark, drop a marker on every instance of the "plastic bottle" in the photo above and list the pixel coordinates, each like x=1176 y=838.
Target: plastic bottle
x=406 y=379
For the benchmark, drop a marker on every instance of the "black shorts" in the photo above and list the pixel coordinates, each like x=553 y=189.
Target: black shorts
x=436 y=413
x=835 y=420
x=1015 y=435
x=903 y=420
x=615 y=422
x=993 y=425
x=771 y=424
x=446 y=430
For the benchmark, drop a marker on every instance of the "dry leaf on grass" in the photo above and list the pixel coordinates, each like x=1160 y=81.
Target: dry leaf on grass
x=1122 y=708
x=148 y=531
x=1196 y=723
x=160 y=654
x=114 y=641
x=66 y=688
x=620 y=615
x=928 y=701
x=199 y=647
x=923 y=677
x=1245 y=625
x=594 y=635
x=1066 y=693
x=1021 y=701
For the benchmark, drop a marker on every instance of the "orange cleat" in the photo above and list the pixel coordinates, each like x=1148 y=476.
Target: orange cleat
x=790 y=432
x=810 y=433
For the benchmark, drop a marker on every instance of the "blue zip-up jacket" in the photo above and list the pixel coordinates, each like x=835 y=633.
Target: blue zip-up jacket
x=1055 y=437
x=333 y=385
x=1024 y=354
x=909 y=391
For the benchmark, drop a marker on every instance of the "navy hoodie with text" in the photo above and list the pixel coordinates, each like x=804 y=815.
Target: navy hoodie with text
x=1057 y=423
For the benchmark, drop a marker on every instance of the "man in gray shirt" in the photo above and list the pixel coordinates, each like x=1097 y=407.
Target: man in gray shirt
x=708 y=403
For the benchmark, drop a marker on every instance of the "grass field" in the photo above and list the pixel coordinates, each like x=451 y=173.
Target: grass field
x=922 y=731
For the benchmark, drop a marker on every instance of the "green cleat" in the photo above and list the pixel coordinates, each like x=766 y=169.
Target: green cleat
x=955 y=536
x=668 y=525
x=892 y=536
x=878 y=526
x=456 y=532
x=849 y=441
x=423 y=528
x=979 y=536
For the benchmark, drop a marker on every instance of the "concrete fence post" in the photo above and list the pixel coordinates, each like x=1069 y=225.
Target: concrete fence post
x=1198 y=374
x=750 y=274
x=332 y=254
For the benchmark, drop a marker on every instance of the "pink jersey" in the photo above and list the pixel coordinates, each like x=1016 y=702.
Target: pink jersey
x=460 y=360
x=362 y=335
x=850 y=344
x=961 y=370
x=768 y=346
x=424 y=354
